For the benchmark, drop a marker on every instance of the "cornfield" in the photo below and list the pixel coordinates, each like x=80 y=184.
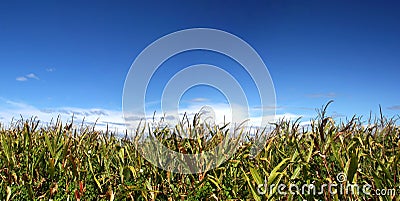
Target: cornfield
x=66 y=162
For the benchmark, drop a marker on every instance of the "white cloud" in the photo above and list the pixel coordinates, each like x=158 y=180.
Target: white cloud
x=221 y=112
x=199 y=100
x=50 y=69
x=259 y=108
x=21 y=79
x=26 y=77
x=16 y=104
x=14 y=110
x=32 y=76
x=277 y=117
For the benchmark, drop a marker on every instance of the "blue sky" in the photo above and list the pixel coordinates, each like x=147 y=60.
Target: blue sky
x=64 y=57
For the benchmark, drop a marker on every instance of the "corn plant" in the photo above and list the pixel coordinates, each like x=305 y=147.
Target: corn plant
x=69 y=162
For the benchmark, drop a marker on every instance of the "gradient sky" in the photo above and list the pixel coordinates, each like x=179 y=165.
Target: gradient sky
x=62 y=57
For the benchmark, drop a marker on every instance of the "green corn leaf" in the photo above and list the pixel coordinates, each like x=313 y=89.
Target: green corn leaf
x=256 y=176
x=310 y=152
x=49 y=145
x=353 y=165
x=274 y=173
x=253 y=192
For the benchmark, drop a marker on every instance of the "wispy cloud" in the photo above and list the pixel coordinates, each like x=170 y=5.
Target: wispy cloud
x=50 y=70
x=199 y=100
x=285 y=108
x=13 y=109
x=336 y=114
x=268 y=108
x=27 y=77
x=32 y=76
x=21 y=79
x=76 y=111
x=394 y=107
x=322 y=95
x=116 y=121
x=16 y=104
